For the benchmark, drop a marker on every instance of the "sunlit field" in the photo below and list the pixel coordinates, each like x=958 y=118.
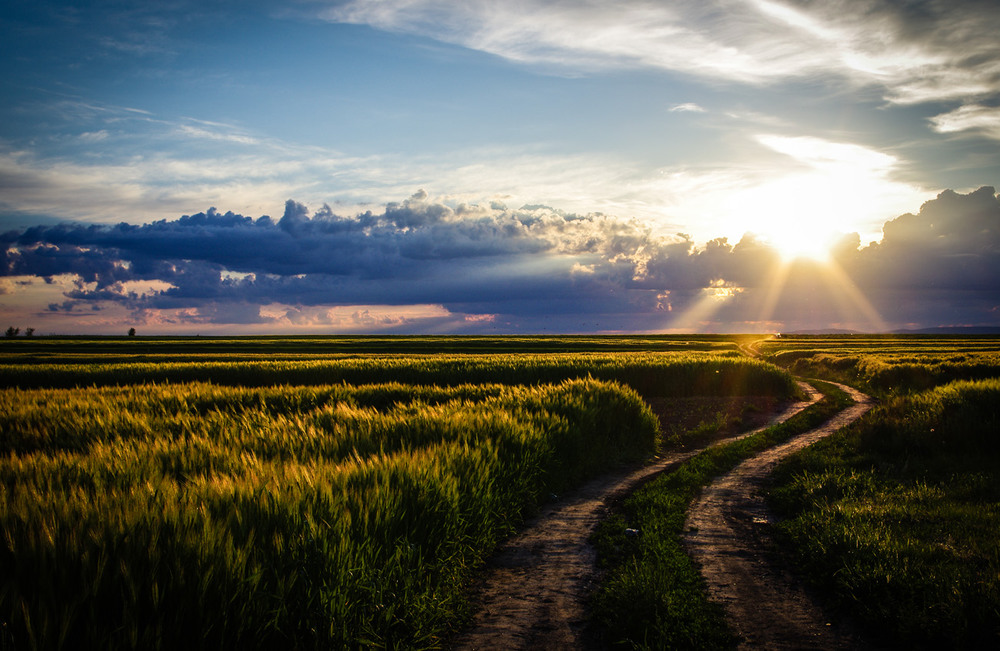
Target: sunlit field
x=329 y=492
x=218 y=497
x=887 y=364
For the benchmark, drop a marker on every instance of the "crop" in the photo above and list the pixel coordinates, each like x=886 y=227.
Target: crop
x=887 y=365
x=658 y=374
x=53 y=349
x=303 y=492
x=202 y=516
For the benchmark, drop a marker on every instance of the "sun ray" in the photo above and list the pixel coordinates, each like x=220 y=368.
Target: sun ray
x=850 y=298
x=708 y=302
x=775 y=285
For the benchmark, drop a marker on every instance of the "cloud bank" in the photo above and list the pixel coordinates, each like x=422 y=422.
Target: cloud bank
x=423 y=265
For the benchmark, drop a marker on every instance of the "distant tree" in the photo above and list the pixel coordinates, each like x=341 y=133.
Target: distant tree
x=28 y=332
x=131 y=332
x=12 y=331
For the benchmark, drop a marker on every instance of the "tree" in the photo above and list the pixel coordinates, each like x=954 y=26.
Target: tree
x=131 y=332
x=12 y=331
x=28 y=332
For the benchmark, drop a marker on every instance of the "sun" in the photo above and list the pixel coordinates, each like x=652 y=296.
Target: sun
x=800 y=241
x=800 y=216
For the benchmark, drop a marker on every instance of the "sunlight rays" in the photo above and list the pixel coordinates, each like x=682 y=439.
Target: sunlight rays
x=707 y=303
x=839 y=291
x=774 y=288
x=849 y=298
x=793 y=294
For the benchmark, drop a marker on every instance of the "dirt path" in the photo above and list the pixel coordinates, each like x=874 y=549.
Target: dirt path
x=729 y=538
x=534 y=591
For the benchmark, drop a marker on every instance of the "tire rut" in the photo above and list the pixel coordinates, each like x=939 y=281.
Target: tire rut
x=533 y=593
x=729 y=538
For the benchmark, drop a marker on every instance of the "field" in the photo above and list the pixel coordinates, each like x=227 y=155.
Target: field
x=327 y=492
x=886 y=364
x=895 y=519
x=206 y=494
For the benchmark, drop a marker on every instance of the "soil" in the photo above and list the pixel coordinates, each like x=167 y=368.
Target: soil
x=534 y=591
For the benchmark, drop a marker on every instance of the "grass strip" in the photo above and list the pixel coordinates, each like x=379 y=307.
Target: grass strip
x=651 y=595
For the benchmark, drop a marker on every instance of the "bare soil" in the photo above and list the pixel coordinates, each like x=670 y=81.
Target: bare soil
x=729 y=536
x=534 y=591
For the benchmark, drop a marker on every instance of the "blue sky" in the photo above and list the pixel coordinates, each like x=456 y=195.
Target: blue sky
x=498 y=166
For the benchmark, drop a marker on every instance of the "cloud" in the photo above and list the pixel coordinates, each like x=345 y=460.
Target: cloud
x=826 y=155
x=210 y=134
x=689 y=107
x=414 y=248
x=252 y=174
x=952 y=243
x=92 y=137
x=916 y=51
x=188 y=164
x=980 y=120
x=426 y=265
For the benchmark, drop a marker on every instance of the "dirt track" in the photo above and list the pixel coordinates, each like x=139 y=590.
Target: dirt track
x=534 y=590
x=729 y=537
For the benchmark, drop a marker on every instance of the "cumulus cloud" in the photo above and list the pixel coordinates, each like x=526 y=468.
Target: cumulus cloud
x=425 y=264
x=415 y=251
x=953 y=242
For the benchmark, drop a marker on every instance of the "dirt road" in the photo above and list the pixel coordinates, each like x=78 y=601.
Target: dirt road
x=729 y=537
x=534 y=591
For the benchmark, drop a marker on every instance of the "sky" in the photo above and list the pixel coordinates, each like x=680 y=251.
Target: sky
x=487 y=167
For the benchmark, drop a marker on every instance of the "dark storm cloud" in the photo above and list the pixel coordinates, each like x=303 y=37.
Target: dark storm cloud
x=953 y=242
x=578 y=271
x=416 y=251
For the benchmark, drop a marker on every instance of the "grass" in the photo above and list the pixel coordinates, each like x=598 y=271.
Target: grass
x=896 y=518
x=308 y=492
x=652 y=596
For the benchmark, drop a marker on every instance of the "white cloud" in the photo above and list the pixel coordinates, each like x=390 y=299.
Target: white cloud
x=689 y=107
x=91 y=137
x=983 y=120
x=824 y=154
x=201 y=132
x=254 y=175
